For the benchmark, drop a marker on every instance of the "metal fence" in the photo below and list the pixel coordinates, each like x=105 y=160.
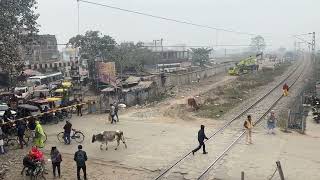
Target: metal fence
x=300 y=108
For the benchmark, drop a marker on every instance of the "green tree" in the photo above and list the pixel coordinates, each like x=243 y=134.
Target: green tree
x=258 y=44
x=133 y=56
x=200 y=55
x=92 y=45
x=18 y=27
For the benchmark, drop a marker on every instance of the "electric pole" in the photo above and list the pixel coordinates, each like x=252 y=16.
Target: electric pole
x=78 y=3
x=313 y=46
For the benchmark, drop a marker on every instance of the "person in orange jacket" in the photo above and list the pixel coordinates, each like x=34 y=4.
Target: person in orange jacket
x=285 y=89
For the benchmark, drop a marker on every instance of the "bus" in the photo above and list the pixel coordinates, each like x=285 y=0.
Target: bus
x=168 y=67
x=45 y=79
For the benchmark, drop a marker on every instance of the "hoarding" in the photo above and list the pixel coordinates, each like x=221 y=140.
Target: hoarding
x=106 y=72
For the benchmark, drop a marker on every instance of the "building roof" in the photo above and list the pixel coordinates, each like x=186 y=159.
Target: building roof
x=30 y=72
x=108 y=89
x=143 y=85
x=132 y=80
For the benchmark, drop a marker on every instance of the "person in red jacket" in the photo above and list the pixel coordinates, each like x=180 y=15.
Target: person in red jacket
x=36 y=154
x=285 y=89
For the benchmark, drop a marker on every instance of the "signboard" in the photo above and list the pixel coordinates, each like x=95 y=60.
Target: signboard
x=106 y=72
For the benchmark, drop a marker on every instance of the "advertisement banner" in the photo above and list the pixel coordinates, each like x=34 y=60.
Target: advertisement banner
x=106 y=72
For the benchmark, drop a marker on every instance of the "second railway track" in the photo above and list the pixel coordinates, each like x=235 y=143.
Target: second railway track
x=220 y=142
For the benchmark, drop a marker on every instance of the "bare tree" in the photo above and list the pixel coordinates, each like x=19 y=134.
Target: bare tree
x=258 y=44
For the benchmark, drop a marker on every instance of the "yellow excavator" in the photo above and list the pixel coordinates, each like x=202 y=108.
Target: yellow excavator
x=244 y=66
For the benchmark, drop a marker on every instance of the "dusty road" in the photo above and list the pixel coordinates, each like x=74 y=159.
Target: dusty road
x=156 y=139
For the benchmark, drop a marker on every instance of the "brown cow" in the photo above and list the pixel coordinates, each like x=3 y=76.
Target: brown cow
x=192 y=102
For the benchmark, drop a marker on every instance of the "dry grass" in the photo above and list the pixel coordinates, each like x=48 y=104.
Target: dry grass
x=228 y=96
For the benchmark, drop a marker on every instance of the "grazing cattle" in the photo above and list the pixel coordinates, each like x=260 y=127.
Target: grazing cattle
x=192 y=102
x=109 y=136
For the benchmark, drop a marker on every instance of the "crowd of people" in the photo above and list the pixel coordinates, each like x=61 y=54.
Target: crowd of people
x=34 y=162
x=34 y=159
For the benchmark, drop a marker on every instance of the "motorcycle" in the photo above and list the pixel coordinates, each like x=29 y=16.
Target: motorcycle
x=37 y=173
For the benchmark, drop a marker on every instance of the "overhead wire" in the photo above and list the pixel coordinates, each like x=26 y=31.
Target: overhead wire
x=168 y=19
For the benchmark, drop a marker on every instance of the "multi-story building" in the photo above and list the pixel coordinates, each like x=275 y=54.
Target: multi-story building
x=44 y=49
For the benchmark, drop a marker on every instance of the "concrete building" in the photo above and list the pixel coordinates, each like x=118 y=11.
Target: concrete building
x=69 y=54
x=169 y=54
x=44 y=49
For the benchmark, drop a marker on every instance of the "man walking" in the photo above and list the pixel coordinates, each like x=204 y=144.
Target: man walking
x=67 y=131
x=21 y=127
x=79 y=108
x=112 y=113
x=271 y=122
x=201 y=137
x=81 y=157
x=249 y=126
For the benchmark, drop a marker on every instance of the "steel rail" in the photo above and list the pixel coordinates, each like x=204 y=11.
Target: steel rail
x=243 y=132
x=229 y=122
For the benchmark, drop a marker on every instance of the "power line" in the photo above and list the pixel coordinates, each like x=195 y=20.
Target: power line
x=218 y=45
x=301 y=39
x=167 y=19
x=187 y=46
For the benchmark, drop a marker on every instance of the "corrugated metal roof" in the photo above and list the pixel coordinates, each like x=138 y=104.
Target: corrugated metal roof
x=143 y=85
x=132 y=80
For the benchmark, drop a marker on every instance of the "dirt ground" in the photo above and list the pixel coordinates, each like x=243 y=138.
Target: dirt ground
x=157 y=135
x=147 y=130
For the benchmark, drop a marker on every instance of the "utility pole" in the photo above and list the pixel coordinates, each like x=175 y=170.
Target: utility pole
x=216 y=38
x=313 y=46
x=78 y=3
x=161 y=53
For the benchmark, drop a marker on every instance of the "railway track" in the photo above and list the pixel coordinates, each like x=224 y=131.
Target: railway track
x=228 y=135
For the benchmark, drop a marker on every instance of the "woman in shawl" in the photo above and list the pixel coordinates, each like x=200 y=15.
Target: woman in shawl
x=38 y=140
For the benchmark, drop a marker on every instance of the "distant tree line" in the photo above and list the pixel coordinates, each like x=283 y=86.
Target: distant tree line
x=127 y=56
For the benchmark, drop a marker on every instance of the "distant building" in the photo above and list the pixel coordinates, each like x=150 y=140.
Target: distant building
x=69 y=54
x=44 y=49
x=169 y=54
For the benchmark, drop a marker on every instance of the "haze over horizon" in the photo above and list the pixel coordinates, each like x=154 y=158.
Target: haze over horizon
x=275 y=20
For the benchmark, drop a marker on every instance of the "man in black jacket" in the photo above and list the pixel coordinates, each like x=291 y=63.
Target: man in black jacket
x=201 y=137
x=67 y=132
x=81 y=157
x=21 y=128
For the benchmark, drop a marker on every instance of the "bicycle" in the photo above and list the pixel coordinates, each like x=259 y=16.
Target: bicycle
x=10 y=143
x=67 y=113
x=63 y=114
x=77 y=135
x=28 y=134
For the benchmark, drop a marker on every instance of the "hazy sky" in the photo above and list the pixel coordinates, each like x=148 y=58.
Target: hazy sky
x=276 y=20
